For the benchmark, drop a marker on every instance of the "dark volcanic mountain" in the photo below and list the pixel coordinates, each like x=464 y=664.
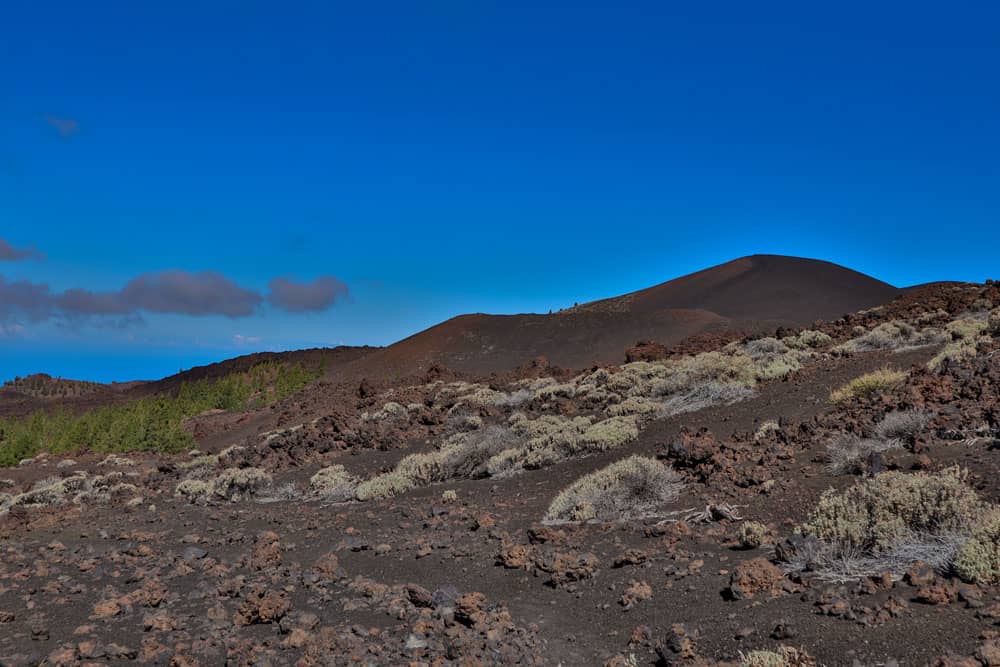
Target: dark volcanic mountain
x=751 y=293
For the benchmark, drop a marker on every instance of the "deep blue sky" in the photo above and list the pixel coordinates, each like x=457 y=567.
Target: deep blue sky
x=445 y=157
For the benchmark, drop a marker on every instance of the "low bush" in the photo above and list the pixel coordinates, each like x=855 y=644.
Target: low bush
x=895 y=518
x=785 y=656
x=752 y=534
x=334 y=483
x=868 y=384
x=808 y=338
x=902 y=425
x=978 y=559
x=230 y=484
x=880 y=512
x=631 y=488
x=847 y=453
x=894 y=335
x=462 y=456
x=383 y=486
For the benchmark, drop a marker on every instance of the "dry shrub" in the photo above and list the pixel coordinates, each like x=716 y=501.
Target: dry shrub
x=894 y=335
x=334 y=483
x=966 y=335
x=462 y=456
x=703 y=396
x=390 y=412
x=847 y=453
x=752 y=534
x=978 y=559
x=903 y=425
x=766 y=428
x=895 y=518
x=867 y=384
x=808 y=338
x=785 y=656
x=891 y=507
x=230 y=484
x=631 y=488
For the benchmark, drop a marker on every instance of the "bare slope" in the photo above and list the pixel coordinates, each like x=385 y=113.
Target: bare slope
x=753 y=293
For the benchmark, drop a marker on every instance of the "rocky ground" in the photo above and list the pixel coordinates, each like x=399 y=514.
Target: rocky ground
x=239 y=554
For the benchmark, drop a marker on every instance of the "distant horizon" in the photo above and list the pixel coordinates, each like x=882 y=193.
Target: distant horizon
x=207 y=359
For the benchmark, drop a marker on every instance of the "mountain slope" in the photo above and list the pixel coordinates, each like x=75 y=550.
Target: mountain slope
x=754 y=293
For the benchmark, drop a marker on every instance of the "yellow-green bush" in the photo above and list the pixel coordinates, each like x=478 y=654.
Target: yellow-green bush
x=869 y=383
x=633 y=487
x=978 y=560
x=609 y=434
x=752 y=534
x=383 y=486
x=879 y=513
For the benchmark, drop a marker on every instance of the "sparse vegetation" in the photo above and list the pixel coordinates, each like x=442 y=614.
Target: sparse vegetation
x=147 y=424
x=808 y=338
x=631 y=488
x=462 y=456
x=230 y=484
x=869 y=383
x=894 y=335
x=966 y=334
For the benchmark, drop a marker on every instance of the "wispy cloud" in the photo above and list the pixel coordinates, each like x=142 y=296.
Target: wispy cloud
x=9 y=253
x=66 y=127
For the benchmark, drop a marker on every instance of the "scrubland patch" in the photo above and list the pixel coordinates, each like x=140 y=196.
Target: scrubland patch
x=79 y=488
x=966 y=334
x=807 y=339
x=390 y=412
x=631 y=488
x=785 y=656
x=869 y=383
x=895 y=518
x=894 y=335
x=461 y=456
x=766 y=428
x=230 y=484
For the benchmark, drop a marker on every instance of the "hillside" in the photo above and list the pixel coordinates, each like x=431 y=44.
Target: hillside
x=753 y=293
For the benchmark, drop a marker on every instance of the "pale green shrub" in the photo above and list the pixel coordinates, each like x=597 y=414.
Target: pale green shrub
x=334 y=483
x=609 y=434
x=630 y=488
x=752 y=534
x=237 y=483
x=879 y=513
x=978 y=560
x=383 y=486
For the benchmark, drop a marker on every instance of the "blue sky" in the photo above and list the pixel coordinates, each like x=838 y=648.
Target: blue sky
x=446 y=157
